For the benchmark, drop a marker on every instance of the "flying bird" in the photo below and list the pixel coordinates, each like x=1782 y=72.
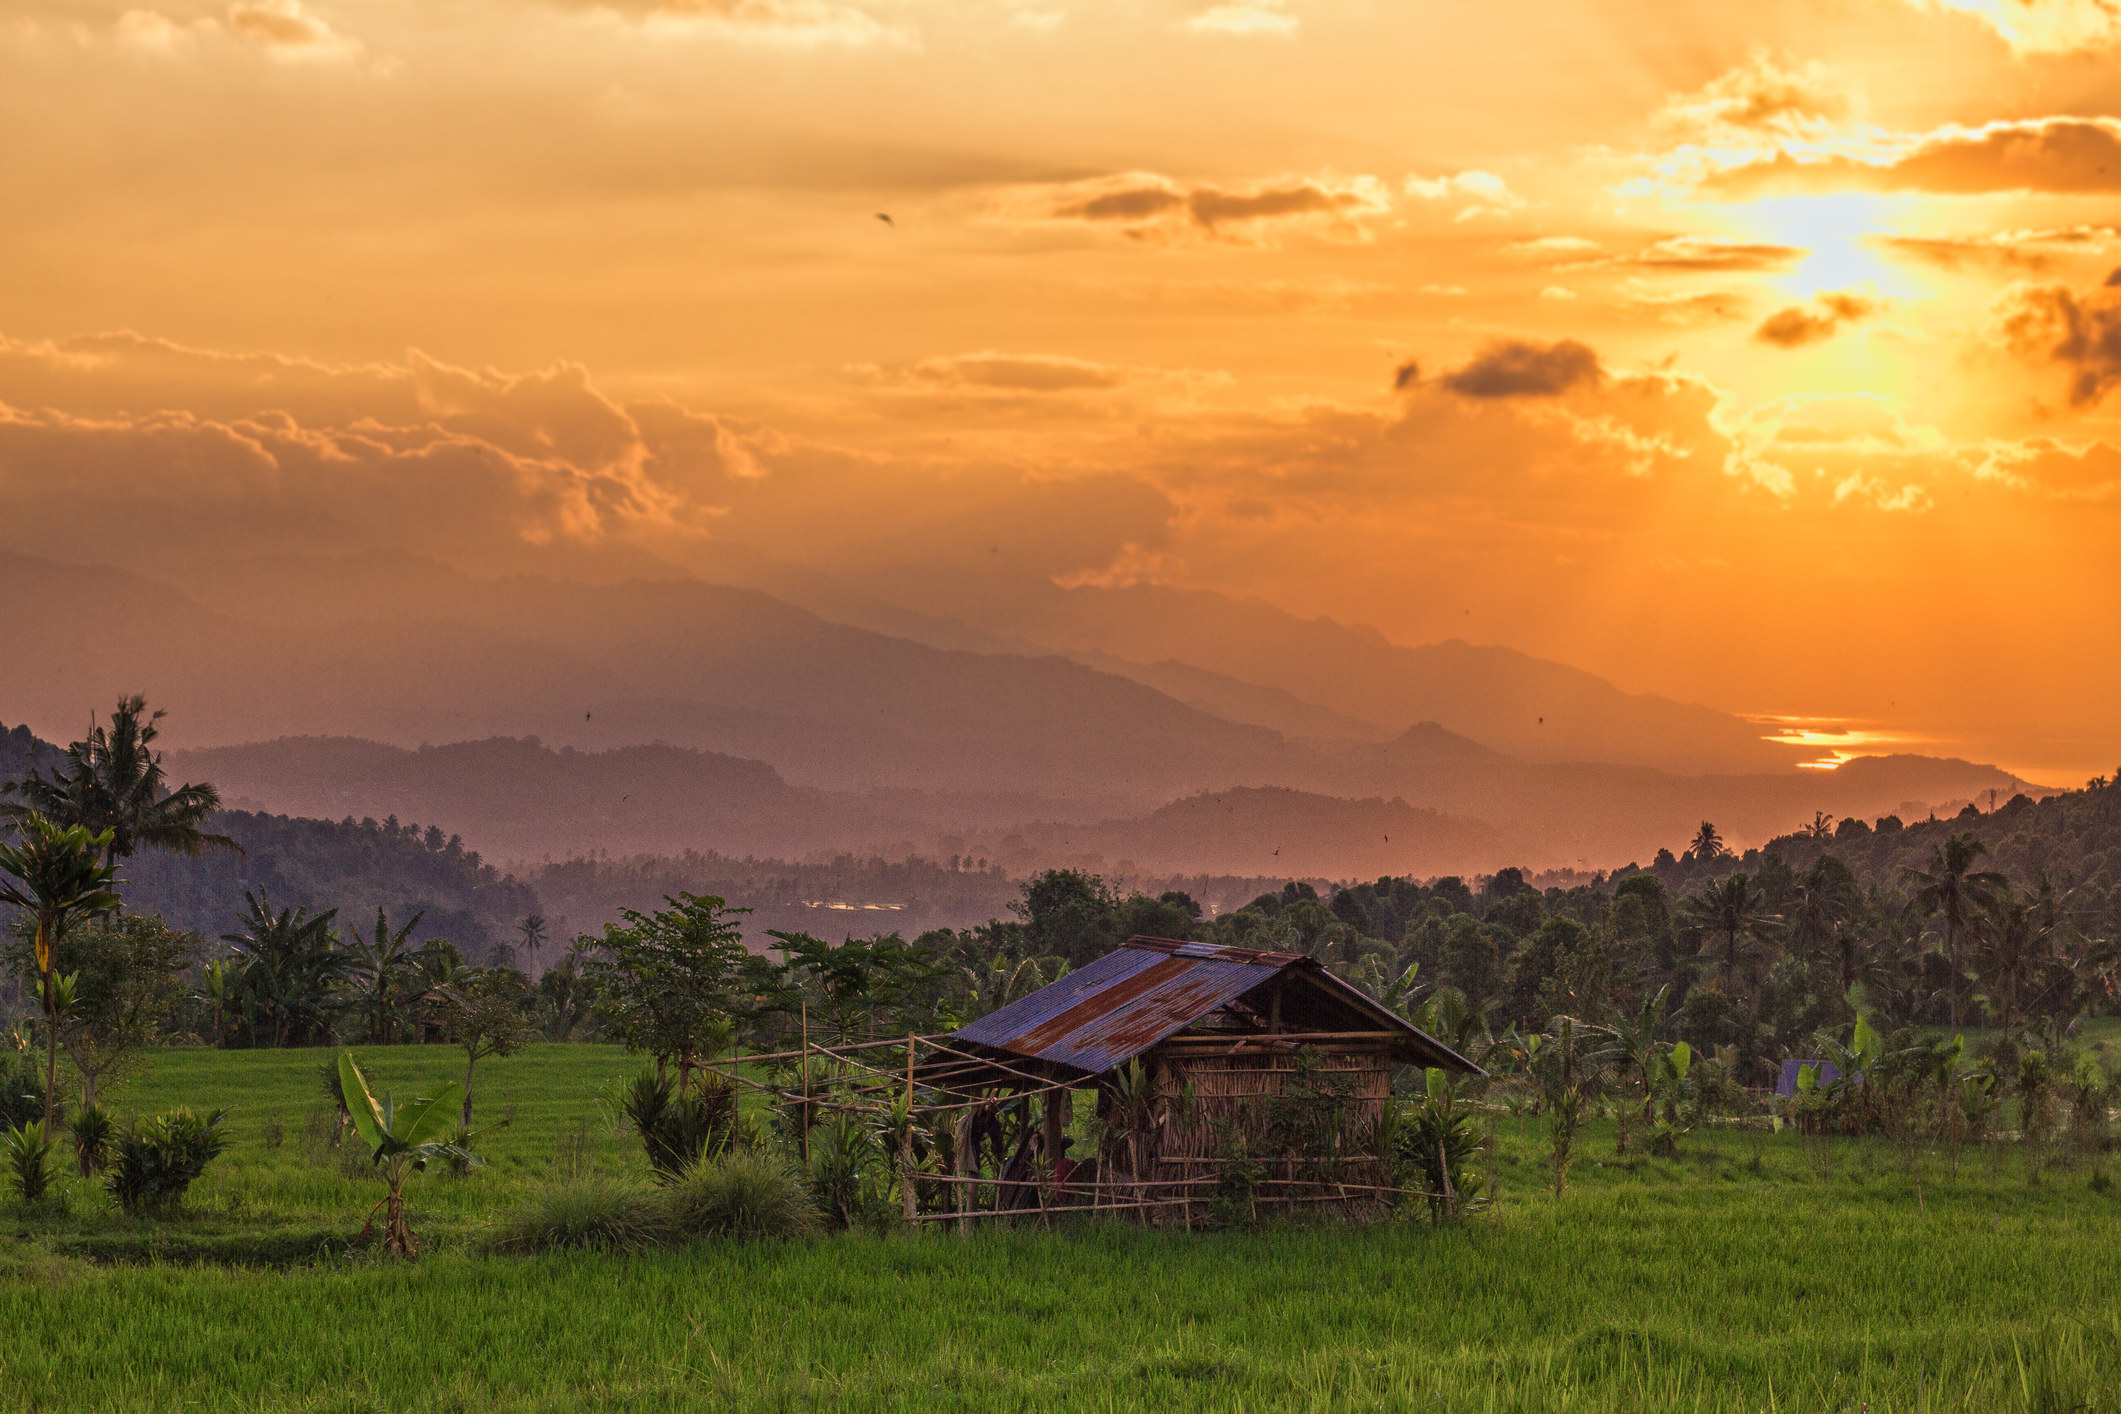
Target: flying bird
x=885 y=217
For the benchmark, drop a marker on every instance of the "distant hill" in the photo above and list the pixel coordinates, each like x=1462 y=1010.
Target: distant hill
x=1533 y=709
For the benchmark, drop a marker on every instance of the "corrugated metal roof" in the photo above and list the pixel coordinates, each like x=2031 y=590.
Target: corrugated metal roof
x=1119 y=1006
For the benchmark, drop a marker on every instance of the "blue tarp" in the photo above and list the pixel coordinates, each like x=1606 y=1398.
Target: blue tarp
x=1827 y=1073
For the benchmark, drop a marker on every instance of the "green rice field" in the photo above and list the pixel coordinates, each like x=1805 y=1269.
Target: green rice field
x=1754 y=1272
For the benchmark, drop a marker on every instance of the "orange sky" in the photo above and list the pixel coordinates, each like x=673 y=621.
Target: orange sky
x=1756 y=353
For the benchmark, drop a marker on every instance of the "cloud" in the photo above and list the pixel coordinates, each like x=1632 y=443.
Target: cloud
x=1483 y=193
x=1694 y=307
x=2042 y=26
x=787 y=24
x=1145 y=206
x=1675 y=253
x=1406 y=376
x=1800 y=325
x=283 y=29
x=2057 y=155
x=1516 y=368
x=1760 y=97
x=2080 y=331
x=1268 y=17
x=2035 y=250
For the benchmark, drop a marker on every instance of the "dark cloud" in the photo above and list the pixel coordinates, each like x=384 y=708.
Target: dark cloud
x=2056 y=155
x=2055 y=324
x=1146 y=203
x=1799 y=325
x=1515 y=368
x=1406 y=376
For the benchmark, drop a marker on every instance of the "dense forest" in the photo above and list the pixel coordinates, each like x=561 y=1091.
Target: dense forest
x=2000 y=918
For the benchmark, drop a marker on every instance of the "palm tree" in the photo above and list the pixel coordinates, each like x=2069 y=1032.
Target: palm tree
x=1827 y=898
x=1707 y=844
x=290 y=961
x=1730 y=911
x=378 y=966
x=532 y=929
x=58 y=881
x=1951 y=886
x=112 y=783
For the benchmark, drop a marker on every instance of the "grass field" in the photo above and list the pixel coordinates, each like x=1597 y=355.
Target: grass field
x=1736 y=1277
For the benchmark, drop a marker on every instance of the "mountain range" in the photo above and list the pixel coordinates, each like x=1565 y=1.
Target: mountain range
x=1063 y=725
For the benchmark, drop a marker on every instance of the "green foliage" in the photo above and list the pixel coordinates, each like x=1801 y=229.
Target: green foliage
x=1435 y=1143
x=111 y=784
x=591 y=1215
x=853 y=985
x=157 y=1160
x=678 y=1127
x=669 y=982
x=401 y=1140
x=127 y=972
x=21 y=1087
x=28 y=1161
x=290 y=971
x=743 y=1193
x=91 y=1129
x=851 y=1174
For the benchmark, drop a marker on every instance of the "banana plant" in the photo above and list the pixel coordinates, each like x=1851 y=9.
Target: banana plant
x=402 y=1140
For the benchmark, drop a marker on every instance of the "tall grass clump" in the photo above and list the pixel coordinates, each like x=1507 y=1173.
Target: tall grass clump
x=743 y=1193
x=28 y=1161
x=595 y=1215
x=91 y=1130
x=157 y=1160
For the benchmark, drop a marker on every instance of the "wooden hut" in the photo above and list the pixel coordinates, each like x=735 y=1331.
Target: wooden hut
x=1204 y=1057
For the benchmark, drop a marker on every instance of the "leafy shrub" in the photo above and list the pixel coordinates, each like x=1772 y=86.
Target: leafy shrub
x=592 y=1216
x=158 y=1159
x=744 y=1193
x=1436 y=1142
x=21 y=1087
x=91 y=1129
x=28 y=1153
x=850 y=1175
x=680 y=1127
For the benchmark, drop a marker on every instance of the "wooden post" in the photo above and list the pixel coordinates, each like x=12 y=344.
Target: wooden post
x=964 y=1169
x=905 y=1157
x=805 y=1120
x=1056 y=1136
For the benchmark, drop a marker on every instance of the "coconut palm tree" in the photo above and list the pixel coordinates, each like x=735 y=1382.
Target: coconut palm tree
x=112 y=783
x=58 y=880
x=532 y=930
x=1730 y=913
x=1951 y=886
x=1823 y=922
x=1707 y=844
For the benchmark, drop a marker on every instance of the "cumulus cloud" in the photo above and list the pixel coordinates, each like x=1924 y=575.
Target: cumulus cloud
x=1518 y=368
x=1267 y=17
x=1145 y=206
x=1815 y=323
x=1761 y=97
x=2079 y=330
x=2059 y=155
x=2042 y=26
x=2035 y=250
x=1478 y=193
x=790 y=24
x=282 y=30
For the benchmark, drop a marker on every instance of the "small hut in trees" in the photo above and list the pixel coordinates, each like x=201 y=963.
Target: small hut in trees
x=1212 y=1066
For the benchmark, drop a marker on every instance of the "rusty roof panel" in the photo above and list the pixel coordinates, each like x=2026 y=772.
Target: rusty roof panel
x=1107 y=1013
x=1127 y=1001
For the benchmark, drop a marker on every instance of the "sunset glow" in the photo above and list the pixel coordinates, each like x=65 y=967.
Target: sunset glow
x=1737 y=353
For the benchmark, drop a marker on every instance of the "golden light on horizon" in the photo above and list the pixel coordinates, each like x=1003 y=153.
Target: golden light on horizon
x=1735 y=366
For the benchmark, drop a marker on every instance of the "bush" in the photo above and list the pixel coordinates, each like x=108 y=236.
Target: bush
x=21 y=1087
x=594 y=1216
x=158 y=1159
x=743 y=1193
x=28 y=1156
x=680 y=1127
x=91 y=1131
